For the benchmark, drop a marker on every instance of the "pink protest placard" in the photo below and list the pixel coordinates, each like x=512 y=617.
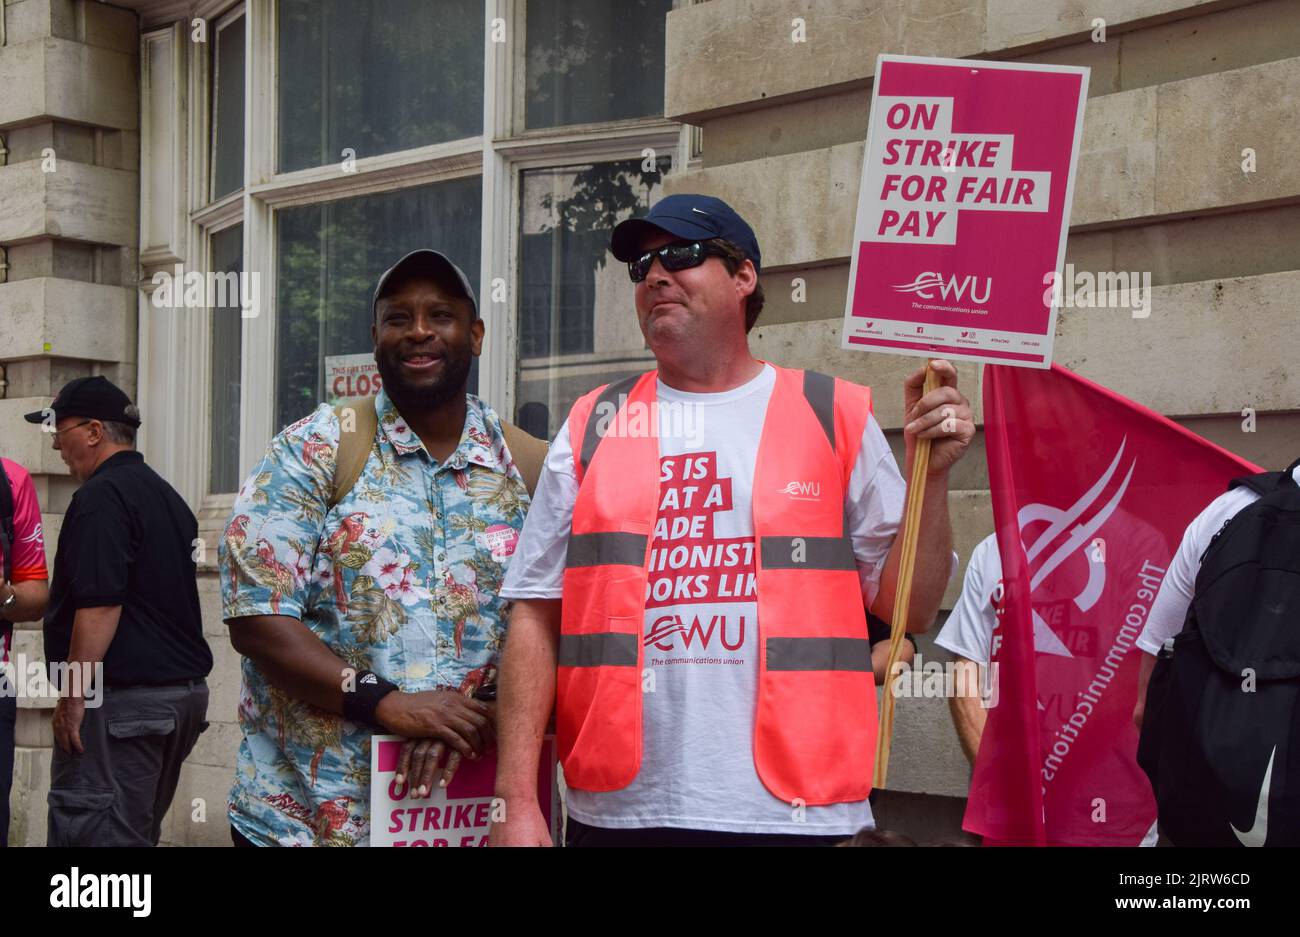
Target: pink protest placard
x=459 y=814
x=964 y=208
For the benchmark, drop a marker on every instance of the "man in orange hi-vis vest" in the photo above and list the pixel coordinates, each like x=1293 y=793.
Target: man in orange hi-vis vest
x=691 y=582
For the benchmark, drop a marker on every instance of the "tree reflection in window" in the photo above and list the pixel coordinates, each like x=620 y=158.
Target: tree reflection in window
x=575 y=301
x=329 y=258
x=592 y=61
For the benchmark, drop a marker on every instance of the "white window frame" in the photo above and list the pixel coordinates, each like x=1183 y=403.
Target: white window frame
x=158 y=247
x=210 y=217
x=211 y=63
x=167 y=337
x=497 y=155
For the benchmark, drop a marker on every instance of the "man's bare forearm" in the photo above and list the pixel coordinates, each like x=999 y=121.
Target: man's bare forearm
x=292 y=657
x=31 y=597
x=526 y=693
x=92 y=632
x=968 y=712
x=933 y=561
x=1147 y=665
x=880 y=659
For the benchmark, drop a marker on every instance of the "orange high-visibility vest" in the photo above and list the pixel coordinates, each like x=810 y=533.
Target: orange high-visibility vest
x=815 y=721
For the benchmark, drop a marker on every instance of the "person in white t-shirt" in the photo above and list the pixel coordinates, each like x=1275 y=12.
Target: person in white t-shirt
x=1169 y=610
x=695 y=263
x=968 y=634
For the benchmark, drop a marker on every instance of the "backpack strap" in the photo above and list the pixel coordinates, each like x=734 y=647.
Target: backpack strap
x=1288 y=476
x=528 y=451
x=6 y=522
x=354 y=446
x=1267 y=482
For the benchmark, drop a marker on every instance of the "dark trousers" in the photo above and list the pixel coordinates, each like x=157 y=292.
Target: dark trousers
x=8 y=721
x=577 y=833
x=117 y=791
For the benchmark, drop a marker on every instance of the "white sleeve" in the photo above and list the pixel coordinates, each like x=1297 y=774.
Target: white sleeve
x=1169 y=610
x=969 y=628
x=537 y=568
x=874 y=508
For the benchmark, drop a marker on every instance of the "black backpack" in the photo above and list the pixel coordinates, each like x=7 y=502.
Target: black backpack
x=1221 y=727
x=6 y=522
x=7 y=547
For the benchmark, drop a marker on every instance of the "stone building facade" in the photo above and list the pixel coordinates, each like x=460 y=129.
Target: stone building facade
x=298 y=141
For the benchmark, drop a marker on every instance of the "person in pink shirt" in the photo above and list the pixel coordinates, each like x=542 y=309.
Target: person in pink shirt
x=24 y=590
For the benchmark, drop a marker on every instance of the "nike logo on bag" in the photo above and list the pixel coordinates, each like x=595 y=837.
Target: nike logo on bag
x=1258 y=832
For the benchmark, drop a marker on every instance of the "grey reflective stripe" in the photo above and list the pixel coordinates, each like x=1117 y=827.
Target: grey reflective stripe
x=610 y=395
x=819 y=654
x=819 y=389
x=608 y=649
x=808 y=553
x=606 y=548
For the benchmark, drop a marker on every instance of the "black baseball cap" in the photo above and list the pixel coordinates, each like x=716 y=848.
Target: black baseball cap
x=692 y=217
x=95 y=398
x=425 y=262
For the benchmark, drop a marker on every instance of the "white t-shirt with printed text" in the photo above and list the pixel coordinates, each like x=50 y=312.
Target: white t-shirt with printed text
x=969 y=628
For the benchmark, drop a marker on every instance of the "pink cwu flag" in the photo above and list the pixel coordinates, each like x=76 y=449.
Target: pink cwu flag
x=1091 y=494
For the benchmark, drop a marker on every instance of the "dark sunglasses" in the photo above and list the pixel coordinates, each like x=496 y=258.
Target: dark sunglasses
x=674 y=257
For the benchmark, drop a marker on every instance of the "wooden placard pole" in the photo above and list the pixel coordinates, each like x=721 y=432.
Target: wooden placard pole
x=903 y=588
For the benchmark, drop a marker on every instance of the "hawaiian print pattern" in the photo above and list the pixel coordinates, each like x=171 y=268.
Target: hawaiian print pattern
x=401 y=578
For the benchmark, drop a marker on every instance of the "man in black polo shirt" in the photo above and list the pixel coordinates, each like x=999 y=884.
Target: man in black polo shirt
x=123 y=595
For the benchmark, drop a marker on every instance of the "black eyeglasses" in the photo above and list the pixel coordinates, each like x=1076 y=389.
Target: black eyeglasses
x=674 y=257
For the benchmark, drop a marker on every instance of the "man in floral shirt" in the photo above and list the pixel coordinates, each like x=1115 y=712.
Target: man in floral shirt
x=382 y=613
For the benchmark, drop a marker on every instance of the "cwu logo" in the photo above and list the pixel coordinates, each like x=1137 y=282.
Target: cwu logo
x=928 y=281
x=803 y=491
x=697 y=636
x=1068 y=533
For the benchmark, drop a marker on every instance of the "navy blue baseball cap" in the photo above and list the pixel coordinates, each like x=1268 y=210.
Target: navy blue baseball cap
x=692 y=217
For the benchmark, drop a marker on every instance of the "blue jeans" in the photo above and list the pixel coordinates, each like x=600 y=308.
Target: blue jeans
x=8 y=720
